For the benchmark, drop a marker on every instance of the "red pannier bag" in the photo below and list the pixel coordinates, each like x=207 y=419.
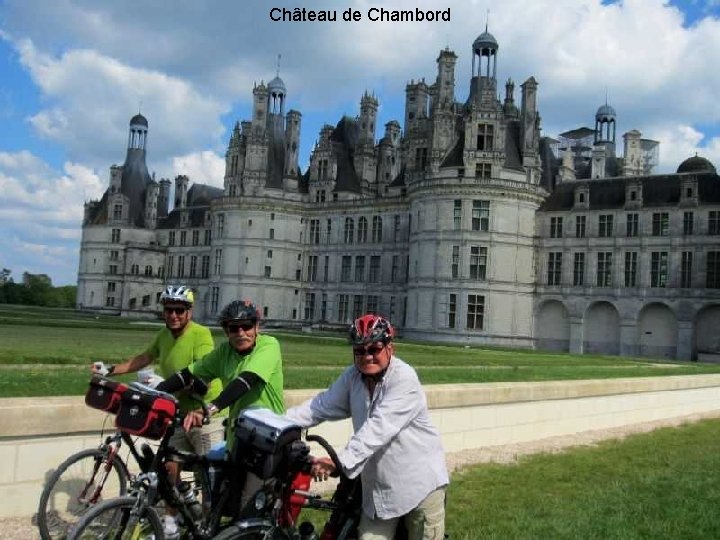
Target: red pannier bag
x=104 y=394
x=146 y=413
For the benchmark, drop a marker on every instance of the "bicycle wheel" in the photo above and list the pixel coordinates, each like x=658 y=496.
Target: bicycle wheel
x=80 y=481
x=120 y=519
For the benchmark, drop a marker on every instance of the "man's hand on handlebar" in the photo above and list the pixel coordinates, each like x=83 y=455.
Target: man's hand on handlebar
x=322 y=468
x=195 y=418
x=102 y=369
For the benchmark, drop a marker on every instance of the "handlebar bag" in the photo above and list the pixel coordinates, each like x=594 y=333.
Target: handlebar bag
x=104 y=394
x=261 y=440
x=146 y=413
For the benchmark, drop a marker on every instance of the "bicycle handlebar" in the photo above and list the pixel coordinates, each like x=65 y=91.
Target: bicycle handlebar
x=330 y=451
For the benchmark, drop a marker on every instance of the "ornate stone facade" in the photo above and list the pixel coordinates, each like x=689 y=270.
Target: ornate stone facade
x=450 y=227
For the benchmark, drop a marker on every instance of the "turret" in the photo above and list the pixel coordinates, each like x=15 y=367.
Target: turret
x=445 y=83
x=137 y=136
x=597 y=167
x=633 y=164
x=416 y=103
x=260 y=108
x=292 y=140
x=605 y=125
x=163 y=201
x=484 y=67
x=566 y=171
x=181 y=188
x=151 y=203
x=529 y=116
x=115 y=179
x=368 y=116
x=388 y=156
x=509 y=107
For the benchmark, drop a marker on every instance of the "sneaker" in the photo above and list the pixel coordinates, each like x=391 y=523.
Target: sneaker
x=170 y=528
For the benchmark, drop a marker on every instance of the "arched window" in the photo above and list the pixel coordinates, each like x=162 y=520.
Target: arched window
x=349 y=230
x=362 y=230
x=377 y=229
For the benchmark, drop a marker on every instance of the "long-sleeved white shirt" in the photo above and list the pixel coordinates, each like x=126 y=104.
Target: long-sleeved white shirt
x=395 y=448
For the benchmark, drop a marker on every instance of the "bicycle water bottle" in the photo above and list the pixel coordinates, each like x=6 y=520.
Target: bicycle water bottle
x=188 y=495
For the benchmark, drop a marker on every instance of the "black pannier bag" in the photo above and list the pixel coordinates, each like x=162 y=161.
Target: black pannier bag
x=262 y=439
x=104 y=394
x=146 y=412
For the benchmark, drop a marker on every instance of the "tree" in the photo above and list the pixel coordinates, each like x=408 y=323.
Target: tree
x=35 y=289
x=38 y=289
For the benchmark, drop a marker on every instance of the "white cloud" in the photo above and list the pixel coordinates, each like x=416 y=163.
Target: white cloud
x=41 y=212
x=191 y=63
x=680 y=141
x=203 y=167
x=92 y=96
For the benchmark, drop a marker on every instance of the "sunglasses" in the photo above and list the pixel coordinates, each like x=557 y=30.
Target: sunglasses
x=245 y=326
x=370 y=349
x=175 y=310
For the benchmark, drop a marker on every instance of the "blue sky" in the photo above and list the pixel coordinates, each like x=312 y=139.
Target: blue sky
x=73 y=72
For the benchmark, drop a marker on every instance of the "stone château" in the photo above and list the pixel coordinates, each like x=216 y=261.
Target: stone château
x=463 y=225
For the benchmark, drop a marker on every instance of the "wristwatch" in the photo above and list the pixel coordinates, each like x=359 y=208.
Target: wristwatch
x=212 y=409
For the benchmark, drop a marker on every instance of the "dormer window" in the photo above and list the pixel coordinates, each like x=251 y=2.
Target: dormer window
x=633 y=195
x=582 y=196
x=689 y=191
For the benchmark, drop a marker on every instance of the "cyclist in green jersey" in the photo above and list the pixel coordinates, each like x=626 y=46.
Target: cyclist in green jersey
x=249 y=365
x=175 y=347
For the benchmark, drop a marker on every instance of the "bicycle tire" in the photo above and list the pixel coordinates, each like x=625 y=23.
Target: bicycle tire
x=238 y=531
x=118 y=519
x=60 y=508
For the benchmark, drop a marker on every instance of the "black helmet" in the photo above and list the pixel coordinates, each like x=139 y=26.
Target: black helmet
x=239 y=310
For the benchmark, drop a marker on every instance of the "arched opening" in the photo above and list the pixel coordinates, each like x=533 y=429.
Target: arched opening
x=552 y=327
x=601 y=328
x=657 y=332
x=707 y=338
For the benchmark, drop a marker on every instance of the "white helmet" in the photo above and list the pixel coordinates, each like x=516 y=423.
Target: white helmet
x=177 y=294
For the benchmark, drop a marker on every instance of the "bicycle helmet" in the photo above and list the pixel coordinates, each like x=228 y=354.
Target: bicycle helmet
x=177 y=294
x=371 y=329
x=239 y=310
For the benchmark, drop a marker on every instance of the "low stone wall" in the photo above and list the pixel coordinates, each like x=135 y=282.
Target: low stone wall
x=36 y=434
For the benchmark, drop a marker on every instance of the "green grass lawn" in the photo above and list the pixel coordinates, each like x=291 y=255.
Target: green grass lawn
x=664 y=484
x=659 y=485
x=46 y=352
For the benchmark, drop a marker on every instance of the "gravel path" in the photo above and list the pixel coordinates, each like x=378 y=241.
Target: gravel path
x=23 y=529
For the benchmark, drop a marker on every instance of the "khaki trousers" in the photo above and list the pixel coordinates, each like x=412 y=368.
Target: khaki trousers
x=426 y=522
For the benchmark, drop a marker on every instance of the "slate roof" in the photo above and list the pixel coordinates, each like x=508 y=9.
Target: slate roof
x=134 y=183
x=202 y=194
x=512 y=145
x=198 y=202
x=276 y=158
x=98 y=212
x=609 y=193
x=344 y=139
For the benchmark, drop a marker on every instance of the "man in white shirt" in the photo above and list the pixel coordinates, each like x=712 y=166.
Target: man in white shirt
x=395 y=448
